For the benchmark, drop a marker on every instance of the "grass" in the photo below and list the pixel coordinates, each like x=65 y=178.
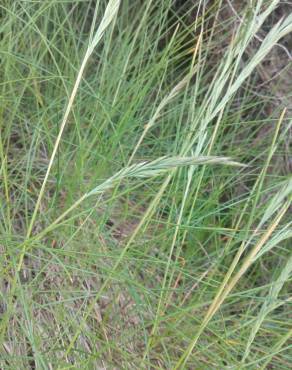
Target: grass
x=145 y=185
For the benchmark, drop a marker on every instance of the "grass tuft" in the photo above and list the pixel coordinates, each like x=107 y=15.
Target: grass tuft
x=145 y=184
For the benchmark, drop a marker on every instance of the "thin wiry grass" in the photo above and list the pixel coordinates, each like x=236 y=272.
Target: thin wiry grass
x=270 y=304
x=110 y=13
x=145 y=187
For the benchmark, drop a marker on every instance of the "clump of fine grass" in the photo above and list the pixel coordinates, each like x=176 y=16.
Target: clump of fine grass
x=144 y=191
